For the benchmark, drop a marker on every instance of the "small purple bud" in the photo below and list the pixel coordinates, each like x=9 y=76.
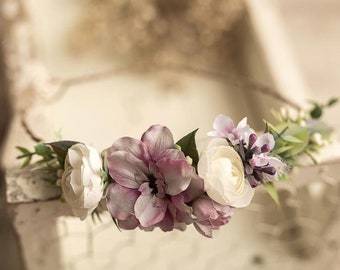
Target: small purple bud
x=252 y=181
x=258 y=175
x=252 y=139
x=269 y=170
x=265 y=148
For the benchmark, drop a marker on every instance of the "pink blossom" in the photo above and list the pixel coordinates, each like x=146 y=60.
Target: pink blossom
x=272 y=168
x=153 y=182
x=225 y=128
x=265 y=140
x=210 y=215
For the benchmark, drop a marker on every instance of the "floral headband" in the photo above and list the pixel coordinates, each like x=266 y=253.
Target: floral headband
x=154 y=182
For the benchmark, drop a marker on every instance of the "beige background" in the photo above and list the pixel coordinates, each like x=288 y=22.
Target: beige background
x=298 y=60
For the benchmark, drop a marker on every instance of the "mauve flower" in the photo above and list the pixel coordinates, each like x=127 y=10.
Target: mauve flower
x=210 y=215
x=225 y=128
x=260 y=165
x=269 y=168
x=153 y=182
x=265 y=141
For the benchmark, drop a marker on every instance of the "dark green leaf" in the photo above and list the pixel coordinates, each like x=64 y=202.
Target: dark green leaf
x=188 y=147
x=316 y=112
x=96 y=216
x=61 y=148
x=332 y=101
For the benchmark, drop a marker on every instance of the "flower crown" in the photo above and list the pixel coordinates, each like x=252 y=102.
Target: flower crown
x=154 y=182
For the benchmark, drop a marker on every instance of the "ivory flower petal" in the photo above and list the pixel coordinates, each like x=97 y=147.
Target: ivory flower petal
x=222 y=170
x=81 y=181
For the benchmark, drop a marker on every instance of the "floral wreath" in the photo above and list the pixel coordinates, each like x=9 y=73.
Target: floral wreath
x=155 y=182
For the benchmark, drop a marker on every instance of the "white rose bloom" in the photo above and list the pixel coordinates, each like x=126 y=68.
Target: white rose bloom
x=222 y=170
x=81 y=181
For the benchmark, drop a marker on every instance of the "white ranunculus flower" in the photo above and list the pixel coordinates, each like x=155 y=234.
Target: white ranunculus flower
x=222 y=170
x=81 y=181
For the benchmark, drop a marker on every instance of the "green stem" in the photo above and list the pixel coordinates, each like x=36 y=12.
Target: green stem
x=26 y=155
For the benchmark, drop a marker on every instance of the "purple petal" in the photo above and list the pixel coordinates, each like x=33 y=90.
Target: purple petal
x=259 y=160
x=242 y=123
x=167 y=223
x=244 y=133
x=120 y=201
x=204 y=230
x=203 y=208
x=172 y=153
x=225 y=209
x=150 y=210
x=265 y=138
x=145 y=188
x=178 y=202
x=182 y=211
x=206 y=222
x=126 y=169
x=223 y=123
x=147 y=229
x=158 y=138
x=180 y=226
x=153 y=168
x=194 y=190
x=131 y=145
x=177 y=174
x=128 y=224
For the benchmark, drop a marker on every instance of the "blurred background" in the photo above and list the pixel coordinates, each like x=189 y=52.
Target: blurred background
x=97 y=70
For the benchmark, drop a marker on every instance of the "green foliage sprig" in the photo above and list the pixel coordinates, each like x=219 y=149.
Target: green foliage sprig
x=302 y=134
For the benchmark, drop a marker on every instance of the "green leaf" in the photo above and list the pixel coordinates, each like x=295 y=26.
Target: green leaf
x=311 y=157
x=303 y=135
x=270 y=188
x=26 y=162
x=282 y=150
x=61 y=148
x=289 y=130
x=23 y=150
x=332 y=101
x=292 y=139
x=316 y=112
x=95 y=215
x=42 y=149
x=188 y=147
x=284 y=178
x=277 y=131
